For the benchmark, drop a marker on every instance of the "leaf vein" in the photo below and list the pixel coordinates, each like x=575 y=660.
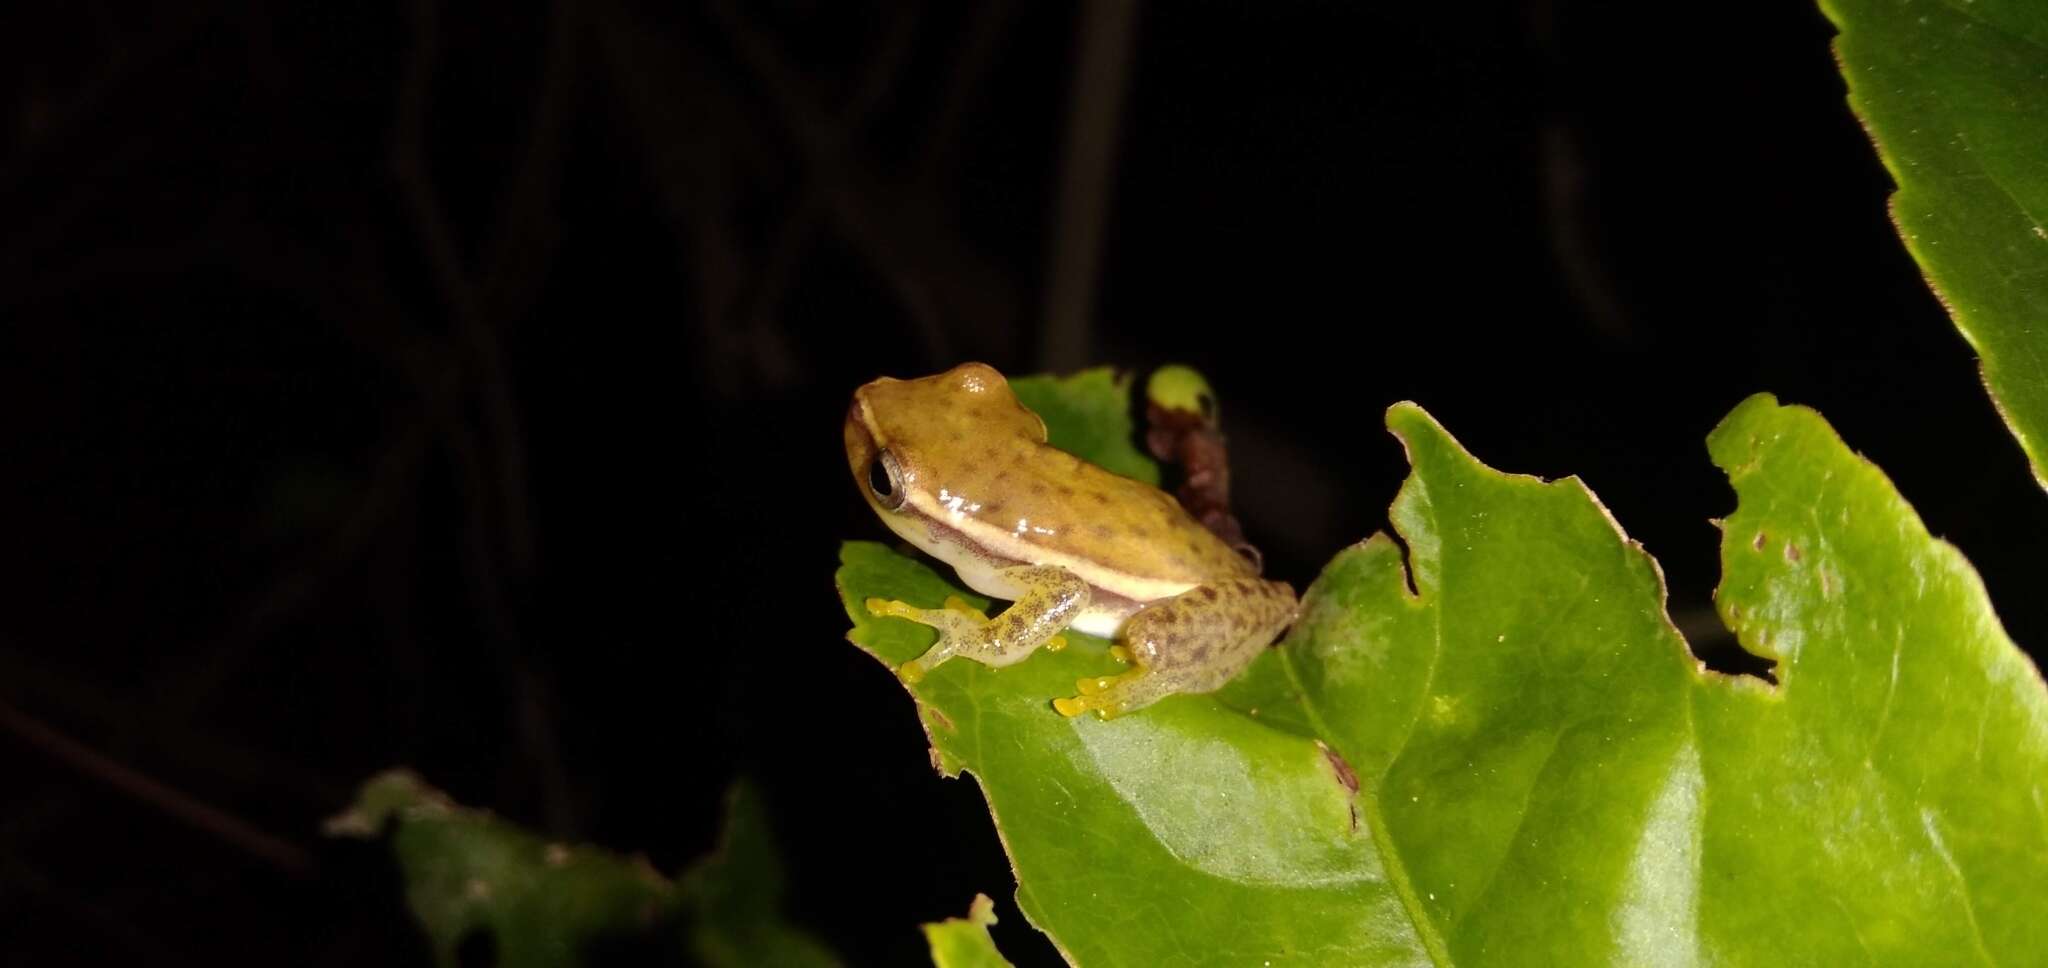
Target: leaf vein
x=1521 y=820
x=1929 y=822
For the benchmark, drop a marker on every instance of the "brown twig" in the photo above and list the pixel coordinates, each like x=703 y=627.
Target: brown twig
x=115 y=77
x=298 y=583
x=971 y=60
x=124 y=719
x=896 y=229
x=883 y=70
x=284 y=856
x=1100 y=70
x=490 y=379
x=516 y=254
x=793 y=237
x=525 y=689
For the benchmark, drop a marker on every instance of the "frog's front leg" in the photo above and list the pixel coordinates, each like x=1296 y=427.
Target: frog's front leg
x=1193 y=642
x=1045 y=600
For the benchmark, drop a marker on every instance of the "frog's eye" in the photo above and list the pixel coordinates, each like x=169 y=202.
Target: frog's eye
x=885 y=480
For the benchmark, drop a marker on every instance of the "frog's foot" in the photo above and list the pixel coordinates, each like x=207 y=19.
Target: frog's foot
x=1047 y=599
x=957 y=622
x=1112 y=696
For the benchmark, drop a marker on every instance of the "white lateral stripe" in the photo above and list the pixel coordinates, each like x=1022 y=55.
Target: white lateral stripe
x=1004 y=544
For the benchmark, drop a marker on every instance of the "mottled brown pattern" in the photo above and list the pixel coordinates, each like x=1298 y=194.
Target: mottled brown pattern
x=1197 y=641
x=1034 y=482
x=981 y=489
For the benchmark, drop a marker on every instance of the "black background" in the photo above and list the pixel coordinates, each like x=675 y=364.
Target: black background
x=478 y=411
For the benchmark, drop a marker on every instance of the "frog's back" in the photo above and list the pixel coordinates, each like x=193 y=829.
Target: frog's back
x=975 y=461
x=1085 y=511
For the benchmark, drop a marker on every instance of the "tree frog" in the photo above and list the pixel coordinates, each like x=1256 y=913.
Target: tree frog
x=957 y=466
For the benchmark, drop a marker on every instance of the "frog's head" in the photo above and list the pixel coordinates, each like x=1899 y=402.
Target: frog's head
x=906 y=439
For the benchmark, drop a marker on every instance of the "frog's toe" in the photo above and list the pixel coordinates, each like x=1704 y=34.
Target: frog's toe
x=1093 y=684
x=890 y=608
x=1106 y=696
x=954 y=617
x=1103 y=704
x=959 y=626
x=914 y=671
x=957 y=604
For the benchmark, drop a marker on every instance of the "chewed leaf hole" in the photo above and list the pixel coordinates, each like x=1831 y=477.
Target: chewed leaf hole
x=1728 y=657
x=1407 y=562
x=1718 y=649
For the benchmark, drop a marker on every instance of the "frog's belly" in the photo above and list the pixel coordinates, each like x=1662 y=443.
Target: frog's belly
x=1102 y=618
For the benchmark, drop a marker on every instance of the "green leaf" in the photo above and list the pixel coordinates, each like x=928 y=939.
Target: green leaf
x=1519 y=761
x=468 y=872
x=734 y=897
x=1952 y=94
x=1088 y=415
x=1892 y=792
x=964 y=942
x=541 y=904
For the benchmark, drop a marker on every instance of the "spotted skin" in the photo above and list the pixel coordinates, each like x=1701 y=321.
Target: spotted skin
x=1193 y=642
x=956 y=465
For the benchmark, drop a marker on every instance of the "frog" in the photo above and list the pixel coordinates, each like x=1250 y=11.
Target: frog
x=957 y=466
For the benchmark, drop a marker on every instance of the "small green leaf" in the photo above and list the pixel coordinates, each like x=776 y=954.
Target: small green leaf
x=1088 y=415
x=546 y=904
x=1518 y=760
x=1181 y=389
x=964 y=942
x=1891 y=795
x=467 y=872
x=1952 y=94
x=734 y=897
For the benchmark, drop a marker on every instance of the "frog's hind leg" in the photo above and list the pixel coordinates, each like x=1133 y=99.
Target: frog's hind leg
x=1193 y=642
x=1046 y=599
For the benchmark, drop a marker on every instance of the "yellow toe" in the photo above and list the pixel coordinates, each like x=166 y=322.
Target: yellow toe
x=886 y=607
